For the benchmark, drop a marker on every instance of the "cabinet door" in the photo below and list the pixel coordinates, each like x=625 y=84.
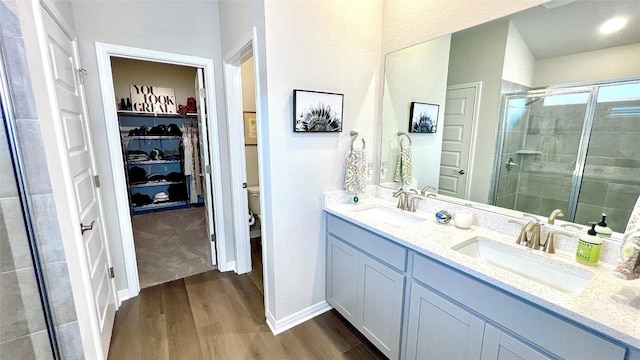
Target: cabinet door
x=439 y=329
x=381 y=293
x=499 y=345
x=342 y=281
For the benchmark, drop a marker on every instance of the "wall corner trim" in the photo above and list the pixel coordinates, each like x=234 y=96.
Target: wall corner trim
x=278 y=326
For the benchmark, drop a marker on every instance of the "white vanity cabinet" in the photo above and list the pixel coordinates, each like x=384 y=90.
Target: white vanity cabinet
x=502 y=346
x=514 y=328
x=439 y=329
x=448 y=314
x=365 y=282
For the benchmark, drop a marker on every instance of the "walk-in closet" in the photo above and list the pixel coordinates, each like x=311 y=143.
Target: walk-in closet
x=161 y=127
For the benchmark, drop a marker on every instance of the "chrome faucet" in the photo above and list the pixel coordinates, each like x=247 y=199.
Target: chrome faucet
x=554 y=214
x=424 y=190
x=402 y=199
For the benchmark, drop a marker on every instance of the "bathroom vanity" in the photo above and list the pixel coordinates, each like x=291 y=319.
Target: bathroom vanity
x=402 y=280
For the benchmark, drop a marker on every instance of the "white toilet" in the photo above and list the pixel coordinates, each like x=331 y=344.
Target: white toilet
x=254 y=200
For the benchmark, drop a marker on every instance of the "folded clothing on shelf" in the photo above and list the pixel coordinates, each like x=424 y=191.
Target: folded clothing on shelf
x=137 y=175
x=138 y=199
x=137 y=155
x=160 y=197
x=175 y=177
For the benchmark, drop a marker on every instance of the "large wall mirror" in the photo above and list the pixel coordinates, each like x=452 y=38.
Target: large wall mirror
x=536 y=111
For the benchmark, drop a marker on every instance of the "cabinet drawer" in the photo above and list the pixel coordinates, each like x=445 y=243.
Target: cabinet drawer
x=383 y=249
x=533 y=324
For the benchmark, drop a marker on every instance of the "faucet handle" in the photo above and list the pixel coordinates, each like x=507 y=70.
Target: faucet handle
x=534 y=242
x=548 y=243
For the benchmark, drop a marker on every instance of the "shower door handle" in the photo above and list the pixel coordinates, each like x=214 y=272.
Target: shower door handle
x=460 y=172
x=84 y=228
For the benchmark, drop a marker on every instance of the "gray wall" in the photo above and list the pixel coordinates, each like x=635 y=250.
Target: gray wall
x=22 y=327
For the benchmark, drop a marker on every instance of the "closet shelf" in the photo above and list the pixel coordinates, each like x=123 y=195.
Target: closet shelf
x=529 y=152
x=152 y=137
x=153 y=162
x=160 y=205
x=156 y=183
x=168 y=115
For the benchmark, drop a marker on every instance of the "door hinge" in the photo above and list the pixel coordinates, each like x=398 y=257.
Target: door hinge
x=213 y=238
x=207 y=169
x=81 y=73
x=112 y=274
x=96 y=181
x=203 y=93
x=244 y=185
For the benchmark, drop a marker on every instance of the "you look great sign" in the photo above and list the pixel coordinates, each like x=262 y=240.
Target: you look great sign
x=152 y=99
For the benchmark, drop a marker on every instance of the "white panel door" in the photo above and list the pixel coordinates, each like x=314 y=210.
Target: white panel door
x=63 y=59
x=439 y=329
x=456 y=141
x=205 y=167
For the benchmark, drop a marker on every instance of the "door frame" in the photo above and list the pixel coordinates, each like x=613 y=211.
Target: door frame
x=477 y=85
x=104 y=52
x=233 y=95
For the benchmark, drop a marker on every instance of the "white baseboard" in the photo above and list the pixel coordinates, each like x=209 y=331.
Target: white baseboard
x=229 y=266
x=278 y=326
x=123 y=295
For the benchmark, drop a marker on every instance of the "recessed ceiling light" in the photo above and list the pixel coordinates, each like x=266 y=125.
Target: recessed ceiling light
x=612 y=25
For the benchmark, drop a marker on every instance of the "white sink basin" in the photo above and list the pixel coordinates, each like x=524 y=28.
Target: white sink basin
x=393 y=217
x=553 y=273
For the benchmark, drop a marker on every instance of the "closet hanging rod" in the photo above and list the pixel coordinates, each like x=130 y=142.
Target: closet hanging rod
x=400 y=133
x=354 y=135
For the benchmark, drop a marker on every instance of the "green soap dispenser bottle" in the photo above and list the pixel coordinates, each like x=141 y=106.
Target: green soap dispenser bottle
x=589 y=246
x=602 y=229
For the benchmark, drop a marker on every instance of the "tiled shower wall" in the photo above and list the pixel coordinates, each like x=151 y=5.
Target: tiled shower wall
x=22 y=328
x=545 y=179
x=611 y=181
x=542 y=182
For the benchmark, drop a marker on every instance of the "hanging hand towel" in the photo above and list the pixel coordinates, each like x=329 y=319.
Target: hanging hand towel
x=356 y=168
x=403 y=168
x=628 y=266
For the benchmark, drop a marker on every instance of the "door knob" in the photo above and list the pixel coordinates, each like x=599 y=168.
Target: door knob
x=84 y=228
x=461 y=172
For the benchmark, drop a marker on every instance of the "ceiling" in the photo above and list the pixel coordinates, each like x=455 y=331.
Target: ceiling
x=563 y=27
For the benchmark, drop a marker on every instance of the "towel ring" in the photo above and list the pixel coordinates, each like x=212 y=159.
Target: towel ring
x=354 y=135
x=400 y=133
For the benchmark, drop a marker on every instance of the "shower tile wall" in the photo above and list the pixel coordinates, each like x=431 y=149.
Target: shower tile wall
x=23 y=333
x=611 y=181
x=545 y=179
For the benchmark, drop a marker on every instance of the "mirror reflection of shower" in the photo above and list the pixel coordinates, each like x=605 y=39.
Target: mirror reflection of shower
x=576 y=150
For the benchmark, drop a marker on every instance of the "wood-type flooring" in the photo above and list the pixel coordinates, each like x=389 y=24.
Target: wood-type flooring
x=217 y=315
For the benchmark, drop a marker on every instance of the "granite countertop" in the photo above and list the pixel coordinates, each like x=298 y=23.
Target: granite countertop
x=608 y=304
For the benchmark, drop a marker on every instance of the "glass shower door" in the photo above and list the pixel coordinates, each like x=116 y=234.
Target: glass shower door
x=611 y=177
x=541 y=143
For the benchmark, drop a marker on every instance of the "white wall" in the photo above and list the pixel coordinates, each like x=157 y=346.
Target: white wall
x=149 y=25
x=613 y=63
x=410 y=22
x=417 y=73
x=249 y=104
x=478 y=55
x=519 y=63
x=331 y=46
x=127 y=72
